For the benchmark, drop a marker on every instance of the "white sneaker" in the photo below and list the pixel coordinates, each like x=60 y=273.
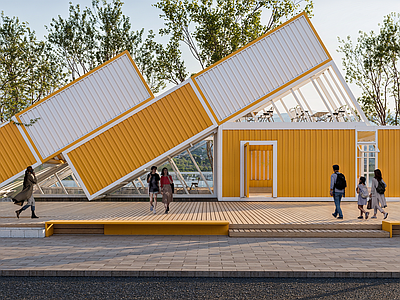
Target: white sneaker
x=154 y=211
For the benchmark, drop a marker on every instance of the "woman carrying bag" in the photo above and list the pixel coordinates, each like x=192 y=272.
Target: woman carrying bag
x=166 y=188
x=377 y=195
x=27 y=193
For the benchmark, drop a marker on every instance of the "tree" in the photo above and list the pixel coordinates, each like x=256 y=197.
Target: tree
x=29 y=69
x=373 y=65
x=170 y=64
x=92 y=36
x=214 y=29
x=146 y=56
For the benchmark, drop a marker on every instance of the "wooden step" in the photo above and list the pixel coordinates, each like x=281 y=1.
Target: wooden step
x=307 y=233
x=311 y=226
x=139 y=227
x=78 y=229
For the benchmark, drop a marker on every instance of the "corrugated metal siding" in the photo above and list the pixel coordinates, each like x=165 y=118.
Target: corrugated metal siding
x=85 y=105
x=15 y=154
x=261 y=68
x=139 y=139
x=305 y=159
x=389 y=160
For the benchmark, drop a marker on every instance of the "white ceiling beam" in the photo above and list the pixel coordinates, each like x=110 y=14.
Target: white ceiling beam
x=198 y=170
x=61 y=184
x=327 y=95
x=297 y=100
x=305 y=101
x=322 y=97
x=136 y=188
x=278 y=112
x=179 y=175
x=335 y=94
x=285 y=107
x=349 y=93
x=343 y=95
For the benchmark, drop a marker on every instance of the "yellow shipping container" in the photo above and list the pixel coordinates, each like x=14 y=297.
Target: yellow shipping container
x=389 y=160
x=140 y=138
x=15 y=154
x=305 y=159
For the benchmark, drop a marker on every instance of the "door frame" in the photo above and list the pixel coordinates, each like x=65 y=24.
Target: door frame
x=375 y=143
x=274 y=145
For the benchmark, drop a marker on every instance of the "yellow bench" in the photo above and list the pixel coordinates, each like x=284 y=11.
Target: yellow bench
x=388 y=226
x=118 y=227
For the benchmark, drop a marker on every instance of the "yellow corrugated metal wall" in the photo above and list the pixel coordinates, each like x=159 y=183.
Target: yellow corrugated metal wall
x=15 y=154
x=261 y=166
x=140 y=139
x=305 y=159
x=389 y=160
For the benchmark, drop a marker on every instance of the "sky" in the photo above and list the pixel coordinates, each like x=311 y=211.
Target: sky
x=332 y=19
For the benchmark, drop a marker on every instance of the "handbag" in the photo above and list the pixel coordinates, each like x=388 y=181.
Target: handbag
x=369 y=204
x=16 y=202
x=172 y=185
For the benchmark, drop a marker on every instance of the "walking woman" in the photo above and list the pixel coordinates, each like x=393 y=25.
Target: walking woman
x=153 y=181
x=378 y=188
x=362 y=192
x=27 y=193
x=166 y=189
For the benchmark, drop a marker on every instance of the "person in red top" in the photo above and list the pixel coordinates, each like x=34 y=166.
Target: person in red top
x=166 y=190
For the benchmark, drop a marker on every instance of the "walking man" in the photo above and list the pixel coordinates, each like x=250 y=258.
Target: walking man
x=153 y=181
x=338 y=185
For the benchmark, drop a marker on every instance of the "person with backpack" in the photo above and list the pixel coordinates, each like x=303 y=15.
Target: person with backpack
x=338 y=185
x=362 y=192
x=378 y=188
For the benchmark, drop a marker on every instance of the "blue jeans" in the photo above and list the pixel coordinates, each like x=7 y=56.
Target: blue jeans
x=337 y=197
x=27 y=205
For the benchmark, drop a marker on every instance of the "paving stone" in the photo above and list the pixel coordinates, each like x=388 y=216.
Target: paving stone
x=219 y=256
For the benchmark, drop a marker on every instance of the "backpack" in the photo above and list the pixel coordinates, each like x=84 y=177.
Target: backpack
x=380 y=189
x=341 y=183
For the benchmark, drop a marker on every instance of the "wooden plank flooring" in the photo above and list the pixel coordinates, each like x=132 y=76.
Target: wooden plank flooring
x=237 y=213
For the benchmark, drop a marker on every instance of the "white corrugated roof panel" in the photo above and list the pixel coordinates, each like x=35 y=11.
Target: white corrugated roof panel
x=83 y=106
x=262 y=67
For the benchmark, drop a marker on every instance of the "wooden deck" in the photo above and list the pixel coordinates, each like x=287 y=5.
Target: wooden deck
x=267 y=215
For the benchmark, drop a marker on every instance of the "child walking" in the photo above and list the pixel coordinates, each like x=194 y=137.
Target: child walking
x=362 y=192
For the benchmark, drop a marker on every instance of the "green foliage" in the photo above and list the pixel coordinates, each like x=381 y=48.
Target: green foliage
x=29 y=69
x=92 y=36
x=146 y=56
x=220 y=27
x=373 y=65
x=170 y=64
x=185 y=164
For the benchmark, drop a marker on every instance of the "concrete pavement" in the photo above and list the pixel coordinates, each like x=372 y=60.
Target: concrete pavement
x=200 y=256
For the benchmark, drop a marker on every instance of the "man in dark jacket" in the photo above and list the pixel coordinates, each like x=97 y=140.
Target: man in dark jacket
x=153 y=181
x=338 y=185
